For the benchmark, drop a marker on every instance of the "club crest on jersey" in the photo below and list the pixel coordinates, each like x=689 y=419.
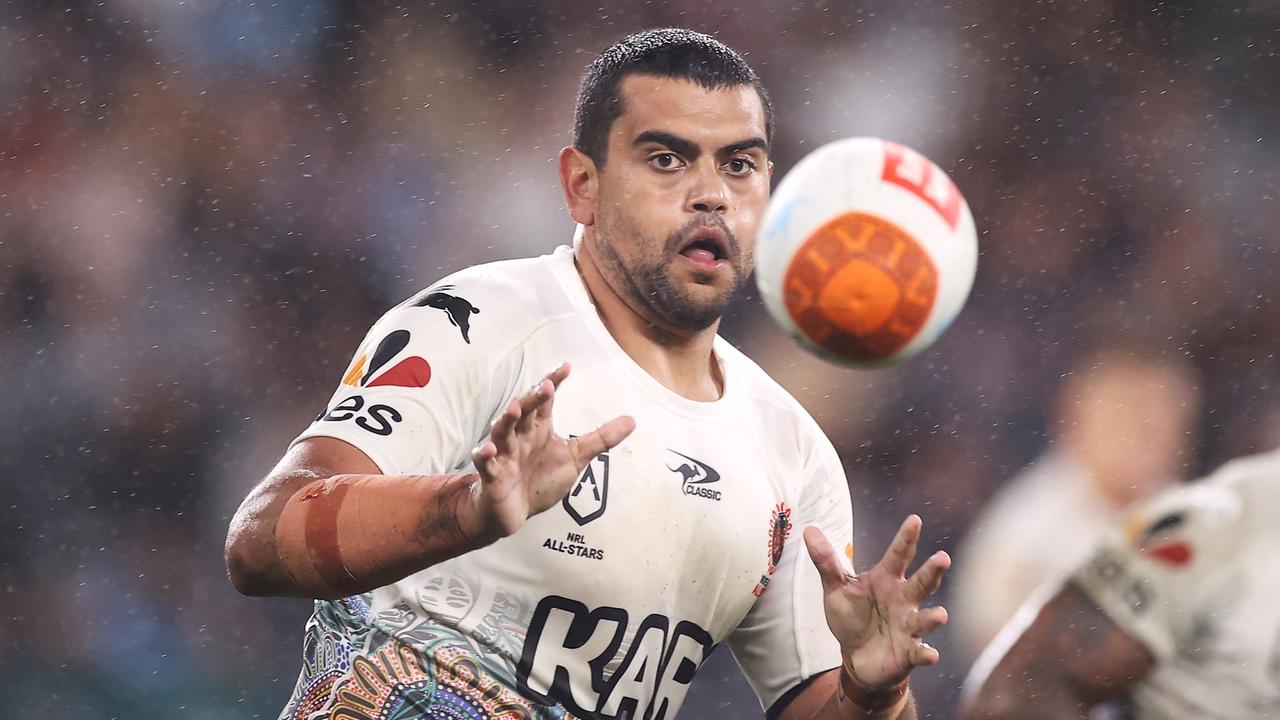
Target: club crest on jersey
x=587 y=499
x=695 y=475
x=779 y=531
x=411 y=372
x=457 y=308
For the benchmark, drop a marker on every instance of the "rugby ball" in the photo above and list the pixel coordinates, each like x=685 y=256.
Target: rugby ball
x=867 y=252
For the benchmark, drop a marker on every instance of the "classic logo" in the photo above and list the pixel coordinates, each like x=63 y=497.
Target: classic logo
x=587 y=500
x=569 y=647
x=411 y=372
x=695 y=475
x=458 y=309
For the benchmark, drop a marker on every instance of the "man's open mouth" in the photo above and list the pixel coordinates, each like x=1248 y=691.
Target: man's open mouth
x=706 y=245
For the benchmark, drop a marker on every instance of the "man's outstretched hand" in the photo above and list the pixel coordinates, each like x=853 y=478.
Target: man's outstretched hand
x=876 y=615
x=524 y=466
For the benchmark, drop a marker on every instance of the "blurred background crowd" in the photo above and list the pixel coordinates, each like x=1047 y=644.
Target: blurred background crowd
x=203 y=206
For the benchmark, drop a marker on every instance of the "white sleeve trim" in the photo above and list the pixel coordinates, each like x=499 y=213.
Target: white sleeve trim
x=377 y=453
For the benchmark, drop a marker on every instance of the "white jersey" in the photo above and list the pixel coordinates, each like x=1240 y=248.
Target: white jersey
x=1035 y=531
x=606 y=604
x=1194 y=578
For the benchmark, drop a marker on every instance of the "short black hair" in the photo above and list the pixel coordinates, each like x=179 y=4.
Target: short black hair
x=666 y=52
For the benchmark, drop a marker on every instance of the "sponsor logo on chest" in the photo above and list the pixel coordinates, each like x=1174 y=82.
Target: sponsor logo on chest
x=569 y=647
x=696 y=477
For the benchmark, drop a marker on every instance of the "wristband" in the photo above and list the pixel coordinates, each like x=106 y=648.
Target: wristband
x=873 y=703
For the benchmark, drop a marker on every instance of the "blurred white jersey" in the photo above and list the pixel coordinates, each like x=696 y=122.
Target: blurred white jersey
x=1035 y=531
x=1194 y=577
x=605 y=605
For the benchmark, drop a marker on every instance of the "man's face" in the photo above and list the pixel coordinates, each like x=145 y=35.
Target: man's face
x=1131 y=424
x=681 y=195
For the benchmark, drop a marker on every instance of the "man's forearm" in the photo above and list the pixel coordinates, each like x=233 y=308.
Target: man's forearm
x=1030 y=699
x=1093 y=661
x=347 y=534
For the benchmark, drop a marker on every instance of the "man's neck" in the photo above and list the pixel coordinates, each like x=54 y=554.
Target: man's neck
x=682 y=361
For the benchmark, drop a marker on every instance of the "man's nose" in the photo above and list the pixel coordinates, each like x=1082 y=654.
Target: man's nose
x=709 y=193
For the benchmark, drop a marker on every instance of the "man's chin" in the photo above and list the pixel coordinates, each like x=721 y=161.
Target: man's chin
x=693 y=321
x=698 y=307
x=690 y=300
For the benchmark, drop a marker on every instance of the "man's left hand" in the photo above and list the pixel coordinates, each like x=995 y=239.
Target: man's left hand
x=876 y=615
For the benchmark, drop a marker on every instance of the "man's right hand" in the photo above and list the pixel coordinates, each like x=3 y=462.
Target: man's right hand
x=525 y=467
x=389 y=527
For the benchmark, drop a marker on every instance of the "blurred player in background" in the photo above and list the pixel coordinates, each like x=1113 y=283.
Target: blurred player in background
x=1123 y=422
x=489 y=538
x=1176 y=615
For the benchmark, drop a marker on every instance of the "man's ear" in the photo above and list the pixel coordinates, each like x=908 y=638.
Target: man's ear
x=581 y=184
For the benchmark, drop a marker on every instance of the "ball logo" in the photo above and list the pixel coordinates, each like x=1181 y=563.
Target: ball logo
x=911 y=171
x=860 y=287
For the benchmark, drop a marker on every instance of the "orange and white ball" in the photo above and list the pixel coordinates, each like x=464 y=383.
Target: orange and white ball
x=867 y=252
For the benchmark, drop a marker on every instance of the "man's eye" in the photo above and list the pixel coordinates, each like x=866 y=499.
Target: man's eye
x=665 y=161
x=740 y=166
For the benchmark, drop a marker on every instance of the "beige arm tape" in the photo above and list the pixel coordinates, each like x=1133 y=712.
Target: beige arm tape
x=348 y=534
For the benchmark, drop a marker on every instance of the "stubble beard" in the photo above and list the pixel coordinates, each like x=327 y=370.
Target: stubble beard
x=648 y=283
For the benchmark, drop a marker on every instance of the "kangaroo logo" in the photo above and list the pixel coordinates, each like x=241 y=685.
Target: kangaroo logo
x=458 y=309
x=695 y=475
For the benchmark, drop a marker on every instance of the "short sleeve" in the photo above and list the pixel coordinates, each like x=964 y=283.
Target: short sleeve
x=424 y=384
x=784 y=639
x=1154 y=577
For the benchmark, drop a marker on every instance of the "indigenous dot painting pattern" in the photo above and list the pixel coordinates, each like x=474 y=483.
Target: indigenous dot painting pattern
x=371 y=675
